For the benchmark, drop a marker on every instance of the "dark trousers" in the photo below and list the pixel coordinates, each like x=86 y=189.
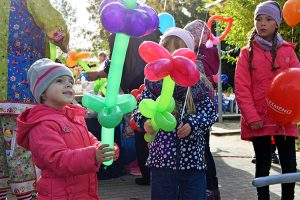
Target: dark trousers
x=142 y=153
x=287 y=156
x=168 y=184
x=211 y=173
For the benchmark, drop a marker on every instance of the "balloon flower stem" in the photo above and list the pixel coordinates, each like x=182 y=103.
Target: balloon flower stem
x=116 y=69
x=131 y=4
x=166 y=93
x=84 y=65
x=52 y=51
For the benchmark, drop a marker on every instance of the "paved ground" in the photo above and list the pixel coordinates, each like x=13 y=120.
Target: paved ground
x=235 y=171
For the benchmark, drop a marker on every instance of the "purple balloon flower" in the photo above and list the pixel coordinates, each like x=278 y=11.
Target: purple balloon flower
x=154 y=18
x=116 y=18
x=112 y=17
x=105 y=2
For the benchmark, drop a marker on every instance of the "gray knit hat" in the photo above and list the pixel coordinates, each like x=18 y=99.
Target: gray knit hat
x=42 y=73
x=270 y=8
x=185 y=35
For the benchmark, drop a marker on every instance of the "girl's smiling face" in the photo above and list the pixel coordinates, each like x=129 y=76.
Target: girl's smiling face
x=59 y=93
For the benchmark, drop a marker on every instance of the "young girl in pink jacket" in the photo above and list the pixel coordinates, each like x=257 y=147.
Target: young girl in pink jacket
x=56 y=134
x=265 y=57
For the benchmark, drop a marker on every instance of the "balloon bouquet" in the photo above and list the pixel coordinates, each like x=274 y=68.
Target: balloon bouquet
x=127 y=19
x=180 y=68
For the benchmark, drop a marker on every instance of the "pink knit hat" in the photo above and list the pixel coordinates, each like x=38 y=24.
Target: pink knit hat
x=42 y=73
x=186 y=36
x=196 y=28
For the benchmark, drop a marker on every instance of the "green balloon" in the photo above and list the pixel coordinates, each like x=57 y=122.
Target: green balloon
x=131 y=4
x=148 y=137
x=107 y=137
x=147 y=107
x=126 y=103
x=93 y=102
x=52 y=51
x=154 y=126
x=166 y=121
x=99 y=84
x=166 y=94
x=116 y=69
x=171 y=105
x=84 y=65
x=110 y=117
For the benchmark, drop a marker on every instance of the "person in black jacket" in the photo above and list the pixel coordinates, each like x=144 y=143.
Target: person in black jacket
x=132 y=78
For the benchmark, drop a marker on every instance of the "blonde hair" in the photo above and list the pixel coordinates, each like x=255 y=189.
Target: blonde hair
x=177 y=43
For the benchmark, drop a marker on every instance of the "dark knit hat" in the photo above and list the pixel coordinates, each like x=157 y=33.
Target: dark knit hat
x=42 y=73
x=270 y=8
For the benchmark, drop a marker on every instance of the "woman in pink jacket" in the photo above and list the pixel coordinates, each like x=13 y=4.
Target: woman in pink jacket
x=265 y=56
x=56 y=134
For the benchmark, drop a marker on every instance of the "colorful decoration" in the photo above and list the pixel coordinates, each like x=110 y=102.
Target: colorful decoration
x=76 y=59
x=283 y=97
x=128 y=17
x=23 y=41
x=100 y=85
x=166 y=21
x=52 y=51
x=291 y=12
x=224 y=78
x=179 y=67
x=51 y=21
x=137 y=94
x=213 y=40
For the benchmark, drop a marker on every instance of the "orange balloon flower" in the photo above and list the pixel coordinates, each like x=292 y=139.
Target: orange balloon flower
x=291 y=12
x=75 y=57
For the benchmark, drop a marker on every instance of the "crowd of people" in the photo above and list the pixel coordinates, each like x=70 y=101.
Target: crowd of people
x=178 y=164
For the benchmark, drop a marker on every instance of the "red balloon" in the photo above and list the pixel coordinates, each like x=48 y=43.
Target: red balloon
x=180 y=66
x=283 y=97
x=141 y=88
x=215 y=78
x=184 y=74
x=133 y=125
x=134 y=92
x=157 y=70
x=151 y=51
x=186 y=53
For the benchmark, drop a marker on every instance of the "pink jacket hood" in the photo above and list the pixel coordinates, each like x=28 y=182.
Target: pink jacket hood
x=33 y=116
x=63 y=149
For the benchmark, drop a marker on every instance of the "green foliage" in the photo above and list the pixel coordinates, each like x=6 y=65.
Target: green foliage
x=242 y=13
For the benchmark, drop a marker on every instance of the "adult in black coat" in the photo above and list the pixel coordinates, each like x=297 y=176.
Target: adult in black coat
x=132 y=78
